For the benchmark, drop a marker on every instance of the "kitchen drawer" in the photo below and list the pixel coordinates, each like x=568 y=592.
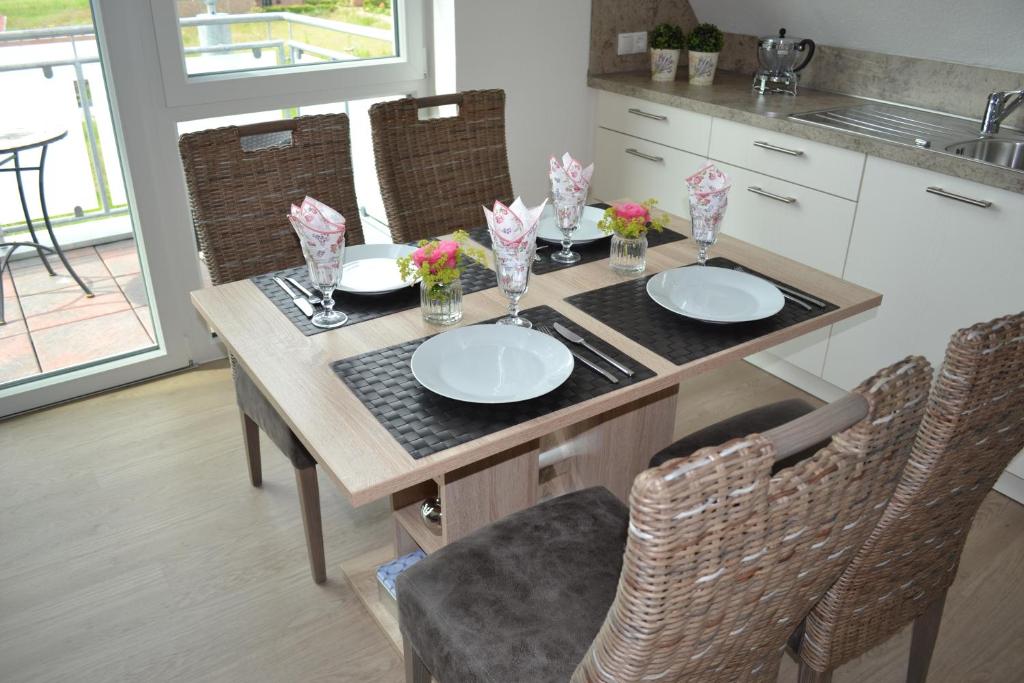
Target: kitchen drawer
x=816 y=165
x=814 y=230
x=621 y=172
x=659 y=123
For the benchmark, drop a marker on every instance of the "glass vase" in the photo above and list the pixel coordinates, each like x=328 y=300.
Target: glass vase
x=441 y=304
x=629 y=254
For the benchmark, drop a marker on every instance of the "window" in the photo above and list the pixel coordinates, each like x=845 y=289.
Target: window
x=223 y=36
x=234 y=50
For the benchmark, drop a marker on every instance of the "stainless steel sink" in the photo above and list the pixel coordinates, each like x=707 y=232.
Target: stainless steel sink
x=940 y=133
x=1008 y=153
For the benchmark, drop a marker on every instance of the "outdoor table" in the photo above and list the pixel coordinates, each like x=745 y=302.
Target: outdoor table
x=13 y=143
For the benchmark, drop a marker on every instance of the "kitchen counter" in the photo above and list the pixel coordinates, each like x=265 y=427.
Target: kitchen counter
x=732 y=98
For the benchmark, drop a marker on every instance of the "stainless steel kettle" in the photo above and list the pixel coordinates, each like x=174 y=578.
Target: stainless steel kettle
x=779 y=59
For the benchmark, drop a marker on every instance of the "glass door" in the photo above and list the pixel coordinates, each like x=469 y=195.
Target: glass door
x=78 y=310
x=114 y=184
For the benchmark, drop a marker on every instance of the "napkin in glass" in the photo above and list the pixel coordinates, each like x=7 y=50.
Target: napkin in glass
x=708 y=191
x=513 y=227
x=569 y=176
x=320 y=228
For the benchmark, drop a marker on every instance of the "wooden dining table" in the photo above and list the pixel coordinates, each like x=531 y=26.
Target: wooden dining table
x=605 y=440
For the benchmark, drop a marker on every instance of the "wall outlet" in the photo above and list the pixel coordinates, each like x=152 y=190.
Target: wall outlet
x=632 y=43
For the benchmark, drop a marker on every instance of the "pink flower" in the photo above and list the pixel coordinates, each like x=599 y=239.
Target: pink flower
x=439 y=256
x=631 y=211
x=448 y=252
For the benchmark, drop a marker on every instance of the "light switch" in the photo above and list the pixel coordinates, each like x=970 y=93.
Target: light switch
x=640 y=41
x=632 y=43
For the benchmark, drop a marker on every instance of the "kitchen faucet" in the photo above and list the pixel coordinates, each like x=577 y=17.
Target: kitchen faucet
x=999 y=105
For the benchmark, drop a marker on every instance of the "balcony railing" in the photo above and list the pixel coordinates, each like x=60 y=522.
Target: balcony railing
x=100 y=160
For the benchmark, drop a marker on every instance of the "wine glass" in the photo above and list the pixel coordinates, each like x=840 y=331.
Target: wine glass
x=568 y=209
x=512 y=266
x=706 y=212
x=325 y=271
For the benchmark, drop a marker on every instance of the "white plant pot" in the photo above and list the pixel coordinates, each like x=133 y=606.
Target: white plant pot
x=664 y=64
x=702 y=67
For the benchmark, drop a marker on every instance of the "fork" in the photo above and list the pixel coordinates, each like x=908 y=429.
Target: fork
x=593 y=366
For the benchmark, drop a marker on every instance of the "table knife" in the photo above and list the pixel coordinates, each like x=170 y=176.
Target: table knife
x=792 y=292
x=590 y=364
x=577 y=339
x=315 y=300
x=300 y=303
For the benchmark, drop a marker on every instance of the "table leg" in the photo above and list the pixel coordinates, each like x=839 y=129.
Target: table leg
x=49 y=227
x=611 y=449
x=24 y=207
x=484 y=492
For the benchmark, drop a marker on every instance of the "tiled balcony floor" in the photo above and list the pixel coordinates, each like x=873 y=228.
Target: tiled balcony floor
x=51 y=325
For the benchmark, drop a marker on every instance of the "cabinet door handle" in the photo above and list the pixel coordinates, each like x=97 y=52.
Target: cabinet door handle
x=771 y=195
x=981 y=203
x=647 y=115
x=649 y=157
x=775 y=148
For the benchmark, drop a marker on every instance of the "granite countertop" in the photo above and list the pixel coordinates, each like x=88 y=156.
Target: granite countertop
x=732 y=98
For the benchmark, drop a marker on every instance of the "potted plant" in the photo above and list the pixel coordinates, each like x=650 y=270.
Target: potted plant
x=666 y=42
x=437 y=266
x=704 y=43
x=628 y=224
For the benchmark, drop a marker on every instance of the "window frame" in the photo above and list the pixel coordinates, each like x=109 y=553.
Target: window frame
x=182 y=90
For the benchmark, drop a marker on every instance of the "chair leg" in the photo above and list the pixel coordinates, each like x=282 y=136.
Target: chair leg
x=922 y=643
x=809 y=675
x=415 y=670
x=309 y=501
x=251 y=437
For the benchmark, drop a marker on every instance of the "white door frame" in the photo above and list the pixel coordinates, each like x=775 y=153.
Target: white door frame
x=146 y=126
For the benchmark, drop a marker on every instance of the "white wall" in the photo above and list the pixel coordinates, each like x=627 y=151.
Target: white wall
x=537 y=51
x=979 y=33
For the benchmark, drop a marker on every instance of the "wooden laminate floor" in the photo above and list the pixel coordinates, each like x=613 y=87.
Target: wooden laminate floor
x=132 y=548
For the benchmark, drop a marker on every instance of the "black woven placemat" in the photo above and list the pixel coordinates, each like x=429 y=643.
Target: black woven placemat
x=626 y=307
x=361 y=308
x=594 y=251
x=424 y=422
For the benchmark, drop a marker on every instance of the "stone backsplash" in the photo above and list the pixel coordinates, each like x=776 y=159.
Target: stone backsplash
x=947 y=87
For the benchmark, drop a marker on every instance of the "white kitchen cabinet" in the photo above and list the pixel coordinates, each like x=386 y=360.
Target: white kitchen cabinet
x=940 y=264
x=805 y=225
x=684 y=130
x=813 y=164
x=626 y=166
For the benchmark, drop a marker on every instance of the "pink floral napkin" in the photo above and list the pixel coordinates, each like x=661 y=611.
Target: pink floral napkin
x=709 y=195
x=514 y=226
x=568 y=175
x=320 y=228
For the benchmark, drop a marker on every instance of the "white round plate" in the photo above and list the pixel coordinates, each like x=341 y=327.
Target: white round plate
x=371 y=268
x=588 y=231
x=491 y=364
x=715 y=295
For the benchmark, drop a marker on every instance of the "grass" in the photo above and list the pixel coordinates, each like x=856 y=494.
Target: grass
x=27 y=14
x=24 y=14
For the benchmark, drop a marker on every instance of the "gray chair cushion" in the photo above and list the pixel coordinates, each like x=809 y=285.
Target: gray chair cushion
x=751 y=422
x=521 y=599
x=254 y=404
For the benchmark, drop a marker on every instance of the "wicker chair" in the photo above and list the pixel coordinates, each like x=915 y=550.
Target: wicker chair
x=241 y=181
x=972 y=427
x=705 y=576
x=435 y=174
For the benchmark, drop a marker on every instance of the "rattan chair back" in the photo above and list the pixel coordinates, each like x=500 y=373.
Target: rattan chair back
x=242 y=179
x=723 y=560
x=435 y=174
x=972 y=427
